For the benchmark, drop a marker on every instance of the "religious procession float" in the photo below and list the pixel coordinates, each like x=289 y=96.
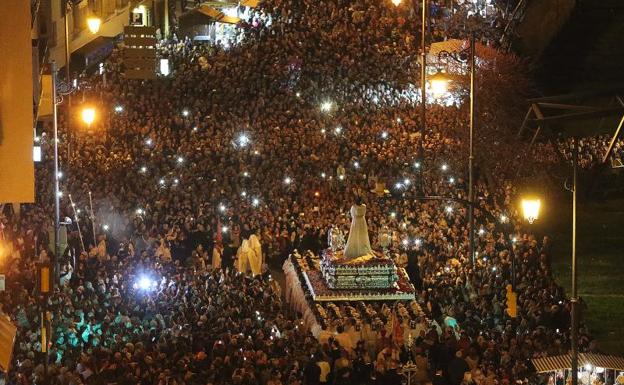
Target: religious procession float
x=347 y=275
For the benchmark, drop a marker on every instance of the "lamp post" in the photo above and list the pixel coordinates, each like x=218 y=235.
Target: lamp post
x=574 y=299
x=58 y=91
x=471 y=153
x=93 y=24
x=439 y=85
x=88 y=116
x=57 y=192
x=423 y=92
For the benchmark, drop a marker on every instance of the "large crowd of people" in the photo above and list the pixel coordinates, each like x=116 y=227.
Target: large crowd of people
x=592 y=150
x=274 y=137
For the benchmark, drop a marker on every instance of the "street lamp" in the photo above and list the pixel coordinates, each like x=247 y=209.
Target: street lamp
x=439 y=84
x=530 y=209
x=574 y=299
x=93 y=23
x=88 y=115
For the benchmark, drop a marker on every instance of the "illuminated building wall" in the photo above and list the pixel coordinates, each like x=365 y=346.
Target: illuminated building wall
x=17 y=180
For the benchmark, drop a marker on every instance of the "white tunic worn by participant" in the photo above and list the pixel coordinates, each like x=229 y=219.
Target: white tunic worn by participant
x=358 y=243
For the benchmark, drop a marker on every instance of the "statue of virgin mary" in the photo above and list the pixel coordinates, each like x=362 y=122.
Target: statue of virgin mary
x=358 y=244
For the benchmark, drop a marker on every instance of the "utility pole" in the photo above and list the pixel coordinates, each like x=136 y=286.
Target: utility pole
x=423 y=93
x=67 y=8
x=574 y=299
x=166 y=19
x=471 y=151
x=57 y=197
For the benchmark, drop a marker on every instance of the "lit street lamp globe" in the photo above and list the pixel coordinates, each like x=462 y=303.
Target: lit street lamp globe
x=530 y=209
x=94 y=23
x=88 y=115
x=439 y=84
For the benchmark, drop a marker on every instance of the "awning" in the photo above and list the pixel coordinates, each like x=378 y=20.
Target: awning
x=7 y=340
x=451 y=45
x=249 y=3
x=231 y=3
x=551 y=364
x=218 y=15
x=602 y=361
x=555 y=363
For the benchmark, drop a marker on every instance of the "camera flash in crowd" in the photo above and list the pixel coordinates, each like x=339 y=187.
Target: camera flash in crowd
x=503 y=219
x=338 y=130
x=326 y=106
x=384 y=135
x=255 y=202
x=287 y=180
x=148 y=142
x=246 y=174
x=416 y=164
x=118 y=109
x=243 y=140
x=161 y=182
x=143 y=169
x=221 y=207
x=444 y=167
x=224 y=229
x=449 y=209
x=323 y=175
x=180 y=159
x=451 y=180
x=185 y=112
x=105 y=227
x=323 y=131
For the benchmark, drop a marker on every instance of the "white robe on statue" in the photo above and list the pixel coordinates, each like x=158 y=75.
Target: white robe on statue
x=358 y=243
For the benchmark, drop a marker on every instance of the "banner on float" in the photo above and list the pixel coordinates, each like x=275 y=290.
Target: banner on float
x=17 y=172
